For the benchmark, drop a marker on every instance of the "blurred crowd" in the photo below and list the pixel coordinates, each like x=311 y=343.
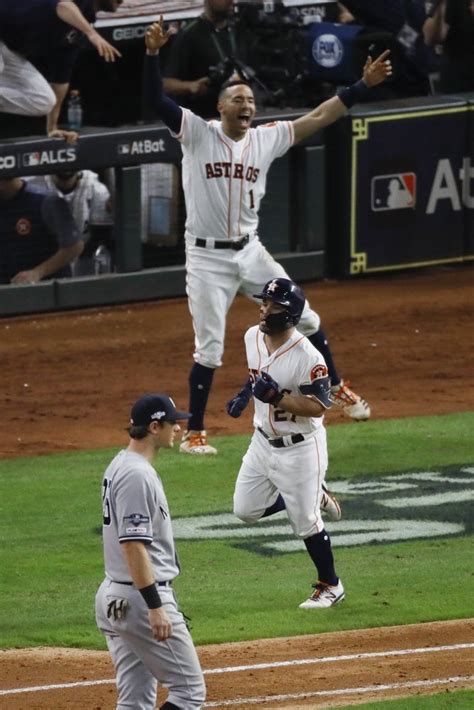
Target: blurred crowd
x=432 y=45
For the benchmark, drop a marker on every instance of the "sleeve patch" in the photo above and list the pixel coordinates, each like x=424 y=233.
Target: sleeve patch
x=318 y=371
x=136 y=519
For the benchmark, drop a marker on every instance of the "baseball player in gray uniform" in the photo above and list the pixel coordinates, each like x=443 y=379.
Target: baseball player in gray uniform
x=225 y=166
x=285 y=464
x=136 y=607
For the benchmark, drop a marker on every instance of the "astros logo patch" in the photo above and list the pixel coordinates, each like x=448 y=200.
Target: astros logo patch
x=318 y=372
x=23 y=227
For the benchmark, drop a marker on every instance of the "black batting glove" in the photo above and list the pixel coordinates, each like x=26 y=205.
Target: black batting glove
x=267 y=390
x=237 y=404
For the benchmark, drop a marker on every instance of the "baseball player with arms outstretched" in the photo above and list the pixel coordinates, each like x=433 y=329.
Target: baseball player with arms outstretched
x=225 y=165
x=136 y=608
x=285 y=464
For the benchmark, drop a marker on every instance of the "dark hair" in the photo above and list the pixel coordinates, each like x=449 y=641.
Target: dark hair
x=138 y=432
x=230 y=83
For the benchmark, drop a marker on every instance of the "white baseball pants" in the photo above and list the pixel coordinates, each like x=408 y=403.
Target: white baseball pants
x=213 y=279
x=297 y=472
x=23 y=90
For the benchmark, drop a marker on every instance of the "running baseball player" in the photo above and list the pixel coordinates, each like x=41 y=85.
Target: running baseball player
x=225 y=165
x=285 y=464
x=136 y=608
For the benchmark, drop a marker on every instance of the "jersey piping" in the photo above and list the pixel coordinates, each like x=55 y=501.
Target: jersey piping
x=229 y=198
x=245 y=149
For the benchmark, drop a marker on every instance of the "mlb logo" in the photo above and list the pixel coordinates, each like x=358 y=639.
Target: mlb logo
x=393 y=192
x=31 y=159
x=124 y=149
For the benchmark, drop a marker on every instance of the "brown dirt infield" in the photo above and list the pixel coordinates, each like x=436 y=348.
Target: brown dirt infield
x=67 y=382
x=338 y=677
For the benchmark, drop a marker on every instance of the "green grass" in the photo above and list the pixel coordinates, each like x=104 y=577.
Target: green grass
x=452 y=700
x=51 y=564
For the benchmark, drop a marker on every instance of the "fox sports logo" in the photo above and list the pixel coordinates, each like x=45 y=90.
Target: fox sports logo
x=328 y=51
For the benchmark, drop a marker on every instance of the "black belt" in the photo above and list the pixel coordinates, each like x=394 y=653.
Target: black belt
x=281 y=441
x=236 y=244
x=159 y=584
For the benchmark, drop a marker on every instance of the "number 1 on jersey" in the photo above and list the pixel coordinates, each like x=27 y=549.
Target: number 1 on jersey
x=252 y=201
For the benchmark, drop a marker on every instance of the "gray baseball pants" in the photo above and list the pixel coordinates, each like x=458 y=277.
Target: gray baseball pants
x=140 y=661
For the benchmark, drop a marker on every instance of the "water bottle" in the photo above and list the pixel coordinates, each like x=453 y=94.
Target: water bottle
x=74 y=111
x=102 y=260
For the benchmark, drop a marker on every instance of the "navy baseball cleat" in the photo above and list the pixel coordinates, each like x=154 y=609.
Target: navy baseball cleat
x=324 y=596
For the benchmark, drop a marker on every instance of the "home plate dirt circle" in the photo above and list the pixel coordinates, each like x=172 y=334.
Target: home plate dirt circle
x=318 y=671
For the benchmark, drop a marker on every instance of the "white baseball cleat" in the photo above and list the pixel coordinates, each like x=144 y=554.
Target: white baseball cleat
x=330 y=504
x=195 y=442
x=350 y=402
x=324 y=596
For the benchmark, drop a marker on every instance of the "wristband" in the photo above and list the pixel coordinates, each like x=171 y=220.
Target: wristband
x=277 y=398
x=353 y=94
x=151 y=596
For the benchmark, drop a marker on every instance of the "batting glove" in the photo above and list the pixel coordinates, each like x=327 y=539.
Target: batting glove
x=237 y=404
x=267 y=390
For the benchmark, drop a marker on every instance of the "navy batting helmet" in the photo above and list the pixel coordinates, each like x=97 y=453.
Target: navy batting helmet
x=287 y=294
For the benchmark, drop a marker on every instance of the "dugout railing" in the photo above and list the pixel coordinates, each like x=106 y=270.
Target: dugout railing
x=291 y=226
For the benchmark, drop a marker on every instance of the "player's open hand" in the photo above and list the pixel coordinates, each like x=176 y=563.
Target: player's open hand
x=156 y=36
x=105 y=49
x=376 y=71
x=160 y=623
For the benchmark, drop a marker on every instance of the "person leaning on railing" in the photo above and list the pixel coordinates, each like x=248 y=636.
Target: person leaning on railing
x=39 y=44
x=39 y=238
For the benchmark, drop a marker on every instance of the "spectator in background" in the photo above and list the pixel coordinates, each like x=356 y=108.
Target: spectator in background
x=39 y=43
x=90 y=204
x=451 y=23
x=345 y=17
x=202 y=57
x=395 y=25
x=38 y=236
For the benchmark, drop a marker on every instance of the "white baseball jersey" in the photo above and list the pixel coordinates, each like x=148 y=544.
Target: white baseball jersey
x=135 y=508
x=295 y=363
x=296 y=471
x=224 y=180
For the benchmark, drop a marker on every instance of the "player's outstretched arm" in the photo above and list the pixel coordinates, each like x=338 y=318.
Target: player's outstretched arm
x=168 y=110
x=375 y=72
